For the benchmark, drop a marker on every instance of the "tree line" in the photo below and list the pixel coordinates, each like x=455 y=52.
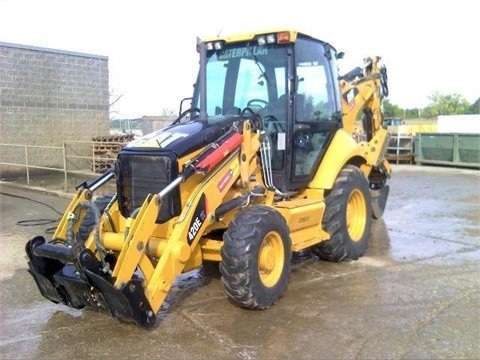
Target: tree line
x=440 y=104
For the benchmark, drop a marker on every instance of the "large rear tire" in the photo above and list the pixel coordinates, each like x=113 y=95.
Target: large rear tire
x=347 y=218
x=256 y=258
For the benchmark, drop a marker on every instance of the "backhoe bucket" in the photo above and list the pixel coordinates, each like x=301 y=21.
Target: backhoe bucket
x=379 y=201
x=77 y=281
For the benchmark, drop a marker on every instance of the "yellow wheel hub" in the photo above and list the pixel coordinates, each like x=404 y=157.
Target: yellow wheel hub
x=356 y=215
x=271 y=259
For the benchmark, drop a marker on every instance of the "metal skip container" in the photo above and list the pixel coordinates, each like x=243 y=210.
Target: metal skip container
x=451 y=149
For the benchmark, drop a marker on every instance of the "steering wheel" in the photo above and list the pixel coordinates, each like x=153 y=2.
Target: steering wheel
x=256 y=119
x=253 y=101
x=271 y=120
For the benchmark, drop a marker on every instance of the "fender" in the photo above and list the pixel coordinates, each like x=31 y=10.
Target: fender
x=342 y=148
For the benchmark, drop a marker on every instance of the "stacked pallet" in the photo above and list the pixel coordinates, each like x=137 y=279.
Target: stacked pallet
x=106 y=149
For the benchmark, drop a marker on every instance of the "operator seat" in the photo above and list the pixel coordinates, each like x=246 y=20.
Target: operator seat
x=304 y=109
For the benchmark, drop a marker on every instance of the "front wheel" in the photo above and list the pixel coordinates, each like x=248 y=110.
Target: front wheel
x=347 y=218
x=256 y=258
x=89 y=222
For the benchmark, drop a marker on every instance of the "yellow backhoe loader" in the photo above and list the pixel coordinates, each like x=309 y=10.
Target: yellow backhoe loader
x=261 y=163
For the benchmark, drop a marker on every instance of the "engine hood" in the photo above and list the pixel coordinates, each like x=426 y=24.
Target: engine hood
x=182 y=139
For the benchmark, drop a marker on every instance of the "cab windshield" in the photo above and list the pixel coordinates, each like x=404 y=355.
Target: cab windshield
x=245 y=75
x=292 y=88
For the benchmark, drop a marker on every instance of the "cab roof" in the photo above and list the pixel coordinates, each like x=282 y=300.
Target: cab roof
x=253 y=35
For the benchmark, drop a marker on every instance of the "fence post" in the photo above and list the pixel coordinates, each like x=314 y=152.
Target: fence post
x=94 y=165
x=65 y=177
x=26 y=165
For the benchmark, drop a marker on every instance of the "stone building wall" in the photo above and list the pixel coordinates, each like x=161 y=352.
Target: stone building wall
x=48 y=96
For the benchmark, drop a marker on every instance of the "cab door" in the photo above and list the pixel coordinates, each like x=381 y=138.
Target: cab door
x=316 y=115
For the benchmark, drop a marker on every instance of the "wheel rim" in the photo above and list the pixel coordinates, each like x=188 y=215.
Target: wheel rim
x=356 y=215
x=271 y=259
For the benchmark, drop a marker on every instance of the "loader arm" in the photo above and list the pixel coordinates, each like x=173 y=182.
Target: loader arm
x=187 y=229
x=134 y=286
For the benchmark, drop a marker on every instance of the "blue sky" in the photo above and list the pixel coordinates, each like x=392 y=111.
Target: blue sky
x=426 y=46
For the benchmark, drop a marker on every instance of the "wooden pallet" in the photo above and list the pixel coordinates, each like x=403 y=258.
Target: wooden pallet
x=106 y=149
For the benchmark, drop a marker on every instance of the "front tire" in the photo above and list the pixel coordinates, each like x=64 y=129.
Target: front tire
x=89 y=221
x=256 y=258
x=347 y=218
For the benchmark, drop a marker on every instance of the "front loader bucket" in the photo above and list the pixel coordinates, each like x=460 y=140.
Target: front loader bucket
x=78 y=282
x=43 y=271
x=127 y=304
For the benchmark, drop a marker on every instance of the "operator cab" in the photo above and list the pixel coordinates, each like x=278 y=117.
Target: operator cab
x=290 y=80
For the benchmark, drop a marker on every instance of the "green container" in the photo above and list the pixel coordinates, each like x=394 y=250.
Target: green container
x=469 y=148
x=452 y=149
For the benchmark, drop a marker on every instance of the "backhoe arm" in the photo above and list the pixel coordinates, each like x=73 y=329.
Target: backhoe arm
x=363 y=89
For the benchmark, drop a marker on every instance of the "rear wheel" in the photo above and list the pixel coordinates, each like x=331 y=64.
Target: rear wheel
x=256 y=258
x=347 y=218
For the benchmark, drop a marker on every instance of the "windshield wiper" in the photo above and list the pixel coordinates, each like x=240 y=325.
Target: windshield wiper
x=264 y=75
x=262 y=71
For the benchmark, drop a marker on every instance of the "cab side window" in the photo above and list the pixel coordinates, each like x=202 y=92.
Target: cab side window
x=314 y=107
x=314 y=84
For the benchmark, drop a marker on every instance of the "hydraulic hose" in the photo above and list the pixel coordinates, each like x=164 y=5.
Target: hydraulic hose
x=78 y=246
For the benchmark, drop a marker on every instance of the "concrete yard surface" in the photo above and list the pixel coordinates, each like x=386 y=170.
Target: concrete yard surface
x=414 y=295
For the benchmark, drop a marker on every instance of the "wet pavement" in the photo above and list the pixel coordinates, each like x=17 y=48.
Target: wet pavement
x=415 y=294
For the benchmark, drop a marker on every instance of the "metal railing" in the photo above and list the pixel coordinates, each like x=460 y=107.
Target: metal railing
x=73 y=157
x=27 y=165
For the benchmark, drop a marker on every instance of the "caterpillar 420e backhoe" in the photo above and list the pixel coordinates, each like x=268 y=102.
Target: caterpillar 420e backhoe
x=263 y=163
